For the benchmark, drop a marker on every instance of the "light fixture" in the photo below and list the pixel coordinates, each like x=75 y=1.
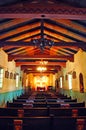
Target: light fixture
x=41 y=68
x=42 y=62
x=42 y=42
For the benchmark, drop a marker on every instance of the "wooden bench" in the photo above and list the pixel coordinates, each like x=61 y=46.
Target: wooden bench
x=43 y=123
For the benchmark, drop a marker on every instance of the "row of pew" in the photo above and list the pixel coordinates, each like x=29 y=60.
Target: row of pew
x=43 y=102
x=48 y=104
x=43 y=111
x=43 y=123
x=39 y=111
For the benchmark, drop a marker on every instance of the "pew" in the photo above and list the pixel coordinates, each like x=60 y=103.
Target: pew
x=16 y=104
x=64 y=123
x=37 y=123
x=19 y=100
x=53 y=104
x=9 y=111
x=43 y=123
x=78 y=104
x=70 y=100
x=39 y=104
x=44 y=111
x=39 y=100
x=39 y=111
x=60 y=111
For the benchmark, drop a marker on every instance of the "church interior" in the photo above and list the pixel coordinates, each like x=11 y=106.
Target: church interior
x=42 y=64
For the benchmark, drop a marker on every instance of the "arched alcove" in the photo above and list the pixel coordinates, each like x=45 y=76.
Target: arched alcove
x=81 y=82
x=66 y=77
x=74 y=75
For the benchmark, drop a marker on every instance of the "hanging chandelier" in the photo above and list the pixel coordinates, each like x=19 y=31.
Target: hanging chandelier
x=42 y=67
x=42 y=42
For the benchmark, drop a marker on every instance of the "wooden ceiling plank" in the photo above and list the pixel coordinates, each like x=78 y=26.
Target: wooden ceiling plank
x=18 y=30
x=65 y=31
x=52 y=52
x=7 y=47
x=29 y=39
x=20 y=52
x=17 y=49
x=52 y=38
x=67 y=51
x=63 y=38
x=24 y=36
x=30 y=50
x=72 y=24
x=13 y=23
x=59 y=49
x=62 y=53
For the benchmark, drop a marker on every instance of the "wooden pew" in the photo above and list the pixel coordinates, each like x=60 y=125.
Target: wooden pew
x=19 y=100
x=43 y=111
x=38 y=111
x=53 y=104
x=60 y=111
x=70 y=100
x=43 y=123
x=64 y=123
x=79 y=104
x=37 y=123
x=39 y=104
x=39 y=100
x=27 y=112
x=9 y=111
x=70 y=111
x=31 y=123
x=16 y=104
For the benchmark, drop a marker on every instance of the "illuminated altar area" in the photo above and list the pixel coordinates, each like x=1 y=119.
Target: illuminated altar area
x=41 y=82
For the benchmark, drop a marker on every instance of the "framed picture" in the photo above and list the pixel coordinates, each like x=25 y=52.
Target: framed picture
x=11 y=75
x=15 y=76
x=6 y=74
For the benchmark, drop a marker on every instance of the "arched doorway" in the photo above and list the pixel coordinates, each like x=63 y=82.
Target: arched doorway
x=81 y=82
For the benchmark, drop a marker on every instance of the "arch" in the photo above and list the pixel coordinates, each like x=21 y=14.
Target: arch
x=74 y=75
x=66 y=77
x=81 y=82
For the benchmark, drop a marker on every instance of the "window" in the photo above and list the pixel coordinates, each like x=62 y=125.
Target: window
x=17 y=80
x=60 y=82
x=26 y=82
x=1 y=77
x=70 y=81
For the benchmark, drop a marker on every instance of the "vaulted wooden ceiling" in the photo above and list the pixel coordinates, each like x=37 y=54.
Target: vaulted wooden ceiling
x=21 y=23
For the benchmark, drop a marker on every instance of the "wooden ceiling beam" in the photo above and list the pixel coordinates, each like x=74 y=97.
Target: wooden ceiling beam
x=29 y=68
x=44 y=57
x=21 y=43
x=49 y=71
x=38 y=73
x=36 y=63
x=37 y=10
